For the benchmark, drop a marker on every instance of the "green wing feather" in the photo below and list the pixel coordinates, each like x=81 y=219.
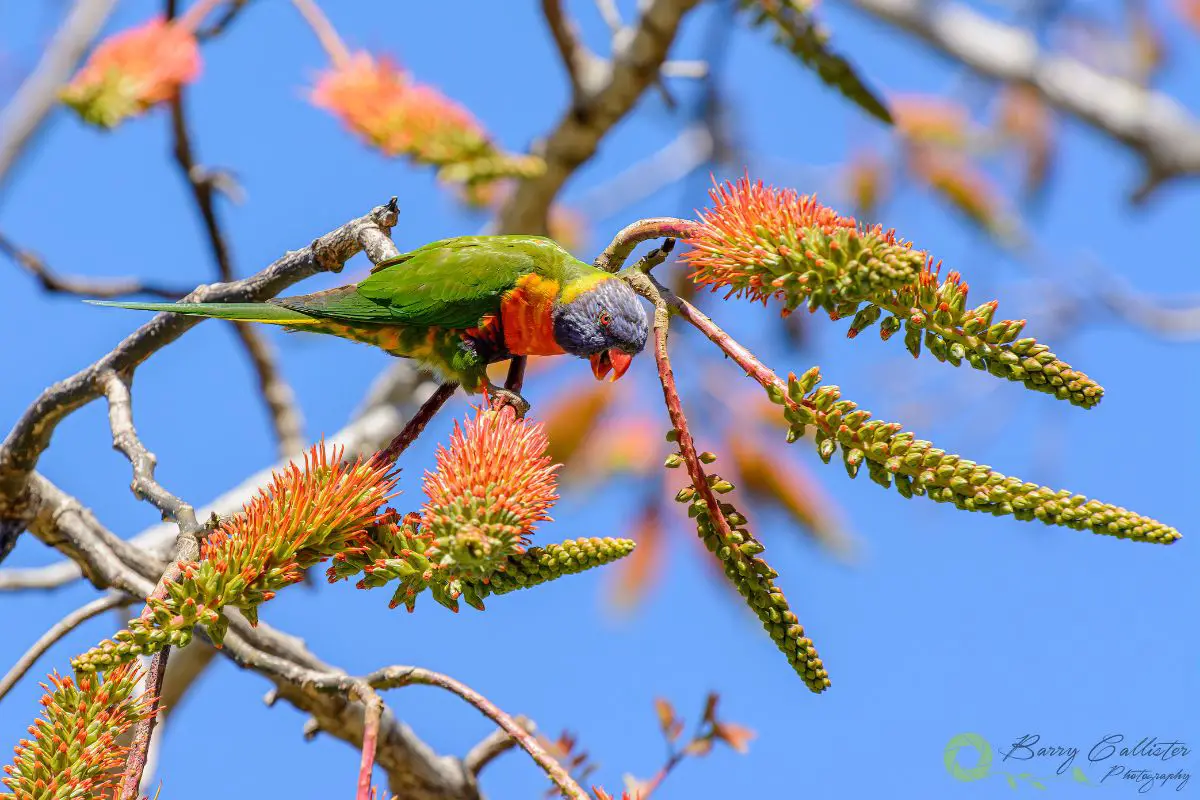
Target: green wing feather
x=450 y=283
x=454 y=282
x=245 y=312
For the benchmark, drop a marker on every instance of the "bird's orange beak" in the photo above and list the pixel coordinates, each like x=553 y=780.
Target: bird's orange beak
x=615 y=361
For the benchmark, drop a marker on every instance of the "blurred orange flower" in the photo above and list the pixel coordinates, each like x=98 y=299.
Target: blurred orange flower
x=377 y=100
x=133 y=71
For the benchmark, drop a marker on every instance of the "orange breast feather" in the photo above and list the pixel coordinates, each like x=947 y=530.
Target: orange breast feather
x=525 y=317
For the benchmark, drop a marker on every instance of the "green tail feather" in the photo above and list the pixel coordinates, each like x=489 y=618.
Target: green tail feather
x=245 y=312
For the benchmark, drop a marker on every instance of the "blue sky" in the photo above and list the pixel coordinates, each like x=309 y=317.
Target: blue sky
x=948 y=623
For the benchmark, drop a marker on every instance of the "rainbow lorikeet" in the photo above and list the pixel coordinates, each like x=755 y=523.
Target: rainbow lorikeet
x=457 y=305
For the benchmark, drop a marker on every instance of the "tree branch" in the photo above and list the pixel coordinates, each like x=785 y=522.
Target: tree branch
x=396 y=677
x=1155 y=126
x=21 y=449
x=139 y=749
x=106 y=288
x=38 y=95
x=414 y=770
x=584 y=68
x=372 y=427
x=494 y=745
x=144 y=486
x=574 y=140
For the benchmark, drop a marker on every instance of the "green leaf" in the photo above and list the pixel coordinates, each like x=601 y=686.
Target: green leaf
x=1012 y=782
x=1037 y=784
x=1078 y=775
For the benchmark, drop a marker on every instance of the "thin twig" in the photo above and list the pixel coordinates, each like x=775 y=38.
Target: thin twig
x=191 y=19
x=396 y=677
x=578 y=60
x=107 y=288
x=327 y=35
x=144 y=486
x=371 y=718
x=36 y=98
x=139 y=750
x=276 y=393
x=60 y=629
x=223 y=22
x=610 y=14
x=494 y=745
x=417 y=423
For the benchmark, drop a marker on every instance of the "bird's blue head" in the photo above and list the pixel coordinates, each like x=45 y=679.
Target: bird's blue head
x=605 y=324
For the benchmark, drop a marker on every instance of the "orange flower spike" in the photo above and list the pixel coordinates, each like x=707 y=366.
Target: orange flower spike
x=761 y=242
x=378 y=101
x=492 y=485
x=133 y=71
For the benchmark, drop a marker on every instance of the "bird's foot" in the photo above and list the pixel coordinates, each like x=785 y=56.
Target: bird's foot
x=506 y=397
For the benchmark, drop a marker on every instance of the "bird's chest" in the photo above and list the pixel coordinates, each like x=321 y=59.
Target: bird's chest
x=526 y=317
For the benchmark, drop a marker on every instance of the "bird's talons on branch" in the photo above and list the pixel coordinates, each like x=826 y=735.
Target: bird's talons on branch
x=498 y=398
x=311 y=728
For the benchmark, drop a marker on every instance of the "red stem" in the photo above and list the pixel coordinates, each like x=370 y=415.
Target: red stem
x=394 y=677
x=687 y=446
x=371 y=717
x=139 y=750
x=631 y=236
x=412 y=429
x=740 y=355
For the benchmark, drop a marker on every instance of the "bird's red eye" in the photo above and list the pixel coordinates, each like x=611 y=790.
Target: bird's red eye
x=605 y=319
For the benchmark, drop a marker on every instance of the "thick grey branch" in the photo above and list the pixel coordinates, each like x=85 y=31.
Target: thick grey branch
x=635 y=66
x=38 y=95
x=1155 y=126
x=23 y=446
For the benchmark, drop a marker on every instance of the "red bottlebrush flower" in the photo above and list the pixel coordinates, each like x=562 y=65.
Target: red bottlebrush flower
x=378 y=101
x=134 y=71
x=74 y=750
x=761 y=242
x=492 y=485
x=301 y=517
x=931 y=120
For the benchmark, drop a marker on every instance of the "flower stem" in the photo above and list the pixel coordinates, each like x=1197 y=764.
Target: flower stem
x=327 y=35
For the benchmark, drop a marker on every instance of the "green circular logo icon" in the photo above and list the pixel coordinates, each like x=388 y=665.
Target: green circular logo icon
x=975 y=742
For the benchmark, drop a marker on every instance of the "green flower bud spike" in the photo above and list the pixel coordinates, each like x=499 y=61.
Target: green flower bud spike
x=917 y=468
x=754 y=580
x=541 y=564
x=935 y=311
